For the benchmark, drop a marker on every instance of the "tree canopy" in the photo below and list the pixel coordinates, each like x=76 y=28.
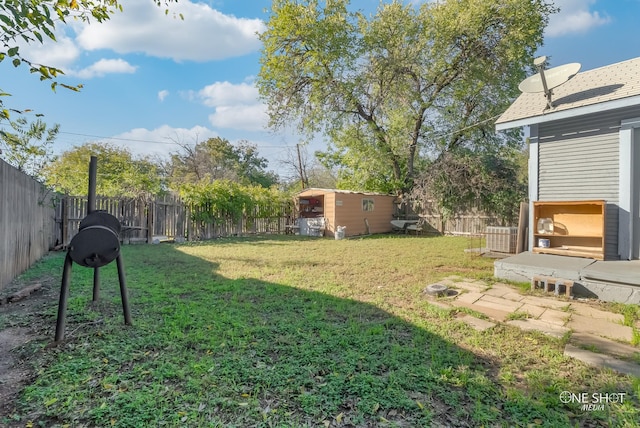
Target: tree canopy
x=119 y=172
x=408 y=81
x=218 y=159
x=28 y=145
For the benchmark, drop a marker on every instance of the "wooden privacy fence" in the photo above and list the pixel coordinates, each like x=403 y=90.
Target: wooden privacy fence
x=28 y=212
x=145 y=220
x=471 y=221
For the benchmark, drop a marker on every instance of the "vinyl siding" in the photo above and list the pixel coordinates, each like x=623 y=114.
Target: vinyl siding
x=579 y=160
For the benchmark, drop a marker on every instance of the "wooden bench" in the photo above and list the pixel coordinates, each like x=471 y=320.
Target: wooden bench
x=549 y=284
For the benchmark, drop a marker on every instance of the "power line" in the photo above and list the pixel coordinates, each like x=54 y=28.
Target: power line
x=473 y=125
x=151 y=141
x=259 y=147
x=117 y=138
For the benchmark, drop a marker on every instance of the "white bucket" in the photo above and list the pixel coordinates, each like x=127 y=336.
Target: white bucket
x=340 y=232
x=544 y=243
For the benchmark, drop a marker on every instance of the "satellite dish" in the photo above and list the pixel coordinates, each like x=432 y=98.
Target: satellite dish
x=546 y=80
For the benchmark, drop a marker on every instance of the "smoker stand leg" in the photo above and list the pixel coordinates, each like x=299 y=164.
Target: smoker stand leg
x=64 y=294
x=96 y=284
x=123 y=291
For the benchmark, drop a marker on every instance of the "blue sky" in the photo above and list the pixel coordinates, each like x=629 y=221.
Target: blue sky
x=151 y=80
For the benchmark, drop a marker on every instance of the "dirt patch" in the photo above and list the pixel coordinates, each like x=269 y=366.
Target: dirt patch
x=22 y=333
x=12 y=374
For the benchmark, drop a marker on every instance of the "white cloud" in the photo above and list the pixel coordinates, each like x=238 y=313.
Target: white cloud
x=575 y=16
x=104 y=67
x=226 y=93
x=60 y=53
x=205 y=34
x=163 y=94
x=236 y=106
x=249 y=117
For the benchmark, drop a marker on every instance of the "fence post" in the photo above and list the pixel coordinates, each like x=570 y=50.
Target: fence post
x=523 y=221
x=149 y=222
x=188 y=223
x=65 y=221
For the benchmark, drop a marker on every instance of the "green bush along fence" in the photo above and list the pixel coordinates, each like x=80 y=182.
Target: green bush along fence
x=168 y=216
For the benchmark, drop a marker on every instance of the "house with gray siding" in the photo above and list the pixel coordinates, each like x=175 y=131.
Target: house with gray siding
x=587 y=147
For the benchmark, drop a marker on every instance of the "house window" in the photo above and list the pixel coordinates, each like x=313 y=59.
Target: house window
x=367 y=205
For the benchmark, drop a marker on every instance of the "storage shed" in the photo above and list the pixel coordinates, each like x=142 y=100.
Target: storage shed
x=584 y=163
x=360 y=212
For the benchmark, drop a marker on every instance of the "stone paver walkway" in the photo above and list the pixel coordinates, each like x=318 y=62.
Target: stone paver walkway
x=586 y=325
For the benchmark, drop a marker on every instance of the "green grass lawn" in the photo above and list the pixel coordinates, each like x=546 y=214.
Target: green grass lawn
x=292 y=332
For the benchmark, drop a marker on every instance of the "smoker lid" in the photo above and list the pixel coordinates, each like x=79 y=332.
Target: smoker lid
x=101 y=218
x=95 y=246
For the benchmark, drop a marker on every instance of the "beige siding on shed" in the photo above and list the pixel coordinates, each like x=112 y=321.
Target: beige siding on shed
x=349 y=213
x=344 y=208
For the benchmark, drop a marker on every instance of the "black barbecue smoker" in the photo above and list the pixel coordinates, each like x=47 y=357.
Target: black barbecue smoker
x=96 y=244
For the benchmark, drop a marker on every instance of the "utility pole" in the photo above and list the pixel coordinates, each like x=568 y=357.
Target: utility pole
x=303 y=181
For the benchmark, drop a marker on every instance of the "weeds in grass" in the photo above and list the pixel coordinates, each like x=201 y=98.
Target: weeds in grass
x=518 y=315
x=567 y=309
x=631 y=319
x=631 y=313
x=589 y=347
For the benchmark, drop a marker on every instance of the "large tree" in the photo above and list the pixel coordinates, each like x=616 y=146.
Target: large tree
x=27 y=146
x=34 y=21
x=119 y=172
x=218 y=159
x=380 y=87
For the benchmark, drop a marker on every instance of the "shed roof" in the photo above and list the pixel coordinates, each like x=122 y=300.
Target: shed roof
x=315 y=191
x=605 y=88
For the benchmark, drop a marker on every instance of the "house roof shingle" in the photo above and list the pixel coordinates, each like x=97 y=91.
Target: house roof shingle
x=598 y=86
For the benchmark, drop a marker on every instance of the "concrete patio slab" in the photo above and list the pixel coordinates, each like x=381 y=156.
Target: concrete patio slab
x=611 y=281
x=516 y=297
x=602 y=345
x=604 y=328
x=547 y=302
x=602 y=360
x=522 y=267
x=498 y=292
x=608 y=291
x=533 y=310
x=554 y=316
x=470 y=297
x=551 y=315
x=623 y=272
x=469 y=286
x=541 y=326
x=589 y=311
x=477 y=323
x=499 y=303
x=495 y=314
